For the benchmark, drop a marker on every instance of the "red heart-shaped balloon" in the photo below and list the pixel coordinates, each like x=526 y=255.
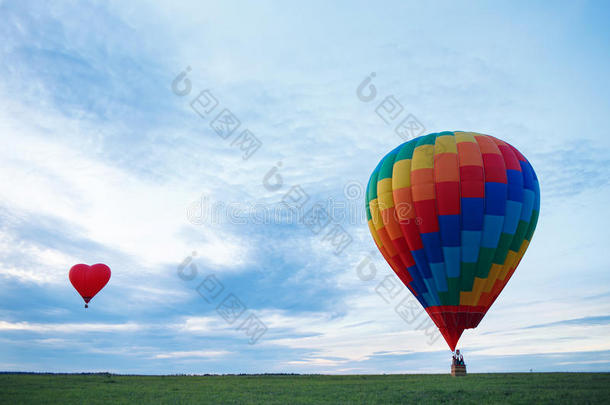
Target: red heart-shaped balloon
x=89 y=280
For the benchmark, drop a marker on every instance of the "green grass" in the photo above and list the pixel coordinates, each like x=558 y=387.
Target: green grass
x=525 y=388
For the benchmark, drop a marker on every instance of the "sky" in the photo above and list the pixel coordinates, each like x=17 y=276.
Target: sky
x=112 y=152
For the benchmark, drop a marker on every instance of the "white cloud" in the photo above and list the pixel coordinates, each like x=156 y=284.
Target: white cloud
x=209 y=354
x=103 y=203
x=317 y=361
x=563 y=363
x=69 y=327
x=200 y=324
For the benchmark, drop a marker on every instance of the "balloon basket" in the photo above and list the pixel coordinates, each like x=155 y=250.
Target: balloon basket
x=458 y=370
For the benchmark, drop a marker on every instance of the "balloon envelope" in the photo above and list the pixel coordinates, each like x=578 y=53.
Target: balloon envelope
x=453 y=213
x=89 y=280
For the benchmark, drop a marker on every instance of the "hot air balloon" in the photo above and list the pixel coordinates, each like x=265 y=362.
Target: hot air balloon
x=453 y=214
x=89 y=280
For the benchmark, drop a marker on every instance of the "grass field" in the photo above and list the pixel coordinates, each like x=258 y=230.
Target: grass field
x=527 y=388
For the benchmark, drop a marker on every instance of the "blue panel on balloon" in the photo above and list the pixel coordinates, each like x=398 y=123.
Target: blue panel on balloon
x=439 y=275
x=528 y=175
x=511 y=220
x=450 y=229
x=422 y=262
x=492 y=227
x=515 y=185
x=528 y=204
x=471 y=242
x=431 y=295
x=495 y=198
x=418 y=282
x=431 y=300
x=452 y=261
x=472 y=213
x=432 y=246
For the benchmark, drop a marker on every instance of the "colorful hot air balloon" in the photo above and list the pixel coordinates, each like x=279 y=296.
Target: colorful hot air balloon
x=453 y=213
x=89 y=280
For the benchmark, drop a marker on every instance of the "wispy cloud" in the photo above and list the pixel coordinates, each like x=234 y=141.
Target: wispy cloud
x=69 y=327
x=192 y=354
x=587 y=321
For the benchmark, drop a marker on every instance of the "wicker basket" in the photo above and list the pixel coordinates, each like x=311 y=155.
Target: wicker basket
x=458 y=370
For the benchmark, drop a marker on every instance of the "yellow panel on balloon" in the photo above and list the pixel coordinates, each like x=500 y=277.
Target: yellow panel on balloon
x=445 y=144
x=375 y=214
x=401 y=175
x=374 y=233
x=466 y=298
x=384 y=194
x=384 y=185
x=464 y=137
x=423 y=157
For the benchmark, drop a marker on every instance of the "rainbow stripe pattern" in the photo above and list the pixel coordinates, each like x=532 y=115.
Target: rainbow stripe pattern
x=453 y=214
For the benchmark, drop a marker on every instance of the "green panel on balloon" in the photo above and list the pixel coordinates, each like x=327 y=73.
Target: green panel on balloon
x=519 y=236
x=486 y=256
x=503 y=246
x=452 y=295
x=467 y=272
x=532 y=227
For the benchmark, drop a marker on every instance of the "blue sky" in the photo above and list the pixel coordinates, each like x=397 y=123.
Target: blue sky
x=103 y=162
